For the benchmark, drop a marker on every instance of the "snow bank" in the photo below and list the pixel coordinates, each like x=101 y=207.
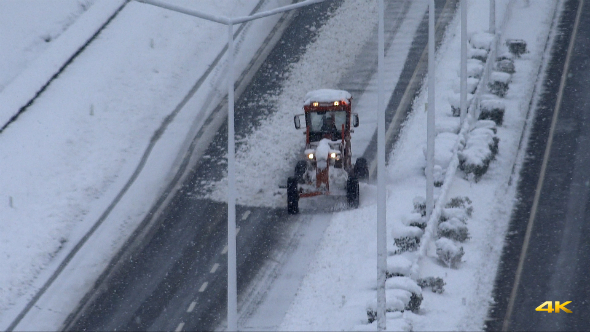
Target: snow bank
x=481 y=40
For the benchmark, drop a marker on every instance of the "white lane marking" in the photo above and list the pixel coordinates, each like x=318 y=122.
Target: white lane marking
x=215 y=266
x=191 y=307
x=224 y=251
x=203 y=287
x=523 y=253
x=245 y=215
x=237 y=231
x=179 y=327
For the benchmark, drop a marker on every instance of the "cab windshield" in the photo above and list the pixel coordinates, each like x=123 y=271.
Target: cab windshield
x=326 y=124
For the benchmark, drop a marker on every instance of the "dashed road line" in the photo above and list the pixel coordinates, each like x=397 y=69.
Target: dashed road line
x=237 y=231
x=179 y=327
x=203 y=287
x=245 y=215
x=224 y=251
x=215 y=266
x=191 y=307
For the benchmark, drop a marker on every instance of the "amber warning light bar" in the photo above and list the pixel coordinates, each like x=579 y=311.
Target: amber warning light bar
x=336 y=103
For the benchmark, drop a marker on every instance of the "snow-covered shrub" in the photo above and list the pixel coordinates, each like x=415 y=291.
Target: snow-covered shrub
x=487 y=135
x=415 y=302
x=498 y=83
x=415 y=219
x=472 y=83
x=448 y=252
x=409 y=285
x=489 y=124
x=516 y=46
x=474 y=68
x=407 y=238
x=459 y=213
x=420 y=223
x=419 y=203
x=396 y=300
x=453 y=229
x=393 y=303
x=436 y=284
x=438 y=174
x=478 y=54
x=404 y=283
x=448 y=124
x=444 y=143
x=506 y=66
x=505 y=56
x=492 y=109
x=406 y=243
x=398 y=266
x=480 y=150
x=453 y=219
x=462 y=203
x=407 y=218
x=399 y=294
x=455 y=101
x=482 y=40
x=371 y=312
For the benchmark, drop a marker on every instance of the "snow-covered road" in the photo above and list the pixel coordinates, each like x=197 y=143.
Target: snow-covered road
x=72 y=153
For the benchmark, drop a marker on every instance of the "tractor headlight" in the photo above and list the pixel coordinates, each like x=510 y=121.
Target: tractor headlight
x=333 y=155
x=310 y=156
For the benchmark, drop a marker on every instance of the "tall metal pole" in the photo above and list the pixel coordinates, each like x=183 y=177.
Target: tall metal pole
x=232 y=287
x=430 y=116
x=381 y=209
x=492 y=16
x=463 y=60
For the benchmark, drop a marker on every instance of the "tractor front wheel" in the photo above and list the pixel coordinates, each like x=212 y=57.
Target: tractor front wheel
x=292 y=196
x=300 y=170
x=352 y=192
x=361 y=169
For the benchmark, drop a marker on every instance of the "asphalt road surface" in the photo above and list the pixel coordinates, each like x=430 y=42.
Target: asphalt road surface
x=552 y=262
x=176 y=278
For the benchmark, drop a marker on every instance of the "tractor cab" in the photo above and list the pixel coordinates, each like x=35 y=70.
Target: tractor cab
x=326 y=124
x=328 y=115
x=326 y=167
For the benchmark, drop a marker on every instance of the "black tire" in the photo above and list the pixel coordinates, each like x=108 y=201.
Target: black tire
x=292 y=196
x=300 y=170
x=361 y=169
x=352 y=192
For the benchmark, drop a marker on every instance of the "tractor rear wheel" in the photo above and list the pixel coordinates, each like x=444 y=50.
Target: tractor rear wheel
x=361 y=169
x=352 y=192
x=292 y=196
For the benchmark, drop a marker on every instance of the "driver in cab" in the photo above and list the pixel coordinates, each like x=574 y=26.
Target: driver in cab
x=329 y=128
